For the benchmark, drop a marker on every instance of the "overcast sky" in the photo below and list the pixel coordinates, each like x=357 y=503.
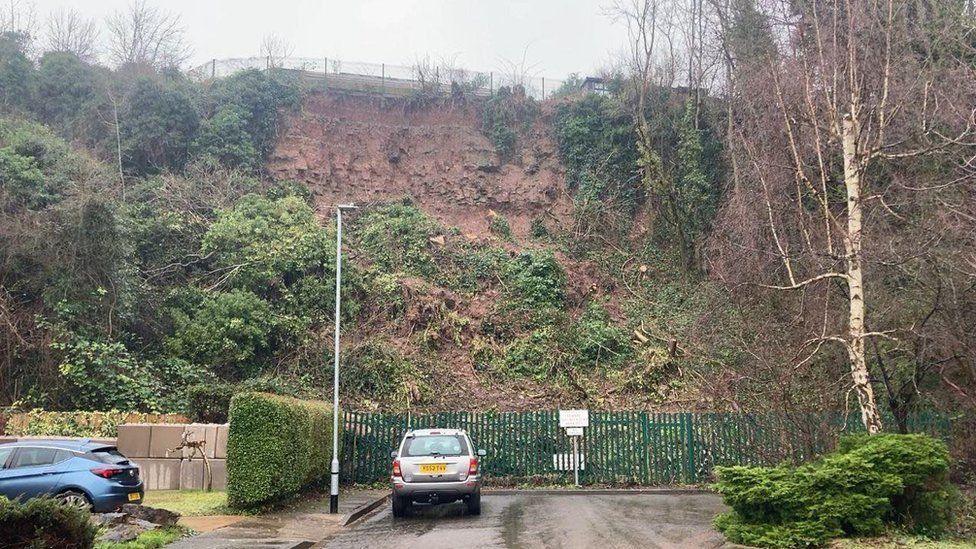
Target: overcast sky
x=562 y=36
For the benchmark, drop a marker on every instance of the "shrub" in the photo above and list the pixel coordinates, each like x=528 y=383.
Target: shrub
x=230 y=332
x=507 y=114
x=43 y=522
x=865 y=485
x=210 y=402
x=396 y=237
x=378 y=371
x=161 y=122
x=538 y=278
x=534 y=355
x=39 y=422
x=276 y=446
x=499 y=226
x=598 y=342
x=269 y=244
x=224 y=138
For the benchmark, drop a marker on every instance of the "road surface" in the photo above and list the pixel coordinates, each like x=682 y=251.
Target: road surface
x=548 y=520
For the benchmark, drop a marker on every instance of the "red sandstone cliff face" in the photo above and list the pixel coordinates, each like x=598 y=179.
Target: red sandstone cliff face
x=366 y=149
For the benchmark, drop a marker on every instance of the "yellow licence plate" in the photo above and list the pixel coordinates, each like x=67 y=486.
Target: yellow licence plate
x=433 y=468
x=134 y=496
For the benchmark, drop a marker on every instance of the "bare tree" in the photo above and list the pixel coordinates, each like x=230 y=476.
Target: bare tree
x=860 y=99
x=69 y=31
x=276 y=49
x=146 y=35
x=643 y=21
x=18 y=16
x=519 y=72
x=18 y=19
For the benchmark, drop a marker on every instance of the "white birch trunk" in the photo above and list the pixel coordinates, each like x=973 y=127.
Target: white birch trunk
x=855 y=280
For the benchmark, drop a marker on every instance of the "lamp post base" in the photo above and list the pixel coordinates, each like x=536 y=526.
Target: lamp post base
x=334 y=504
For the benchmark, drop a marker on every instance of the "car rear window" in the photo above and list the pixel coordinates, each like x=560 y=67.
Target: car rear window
x=435 y=445
x=109 y=455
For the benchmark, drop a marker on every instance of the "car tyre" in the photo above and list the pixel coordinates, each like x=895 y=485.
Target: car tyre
x=401 y=506
x=474 y=504
x=74 y=498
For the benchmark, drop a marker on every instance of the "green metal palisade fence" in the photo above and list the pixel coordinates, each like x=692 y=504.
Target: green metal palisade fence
x=619 y=448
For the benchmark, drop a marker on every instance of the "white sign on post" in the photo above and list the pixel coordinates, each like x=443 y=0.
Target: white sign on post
x=574 y=431
x=574 y=418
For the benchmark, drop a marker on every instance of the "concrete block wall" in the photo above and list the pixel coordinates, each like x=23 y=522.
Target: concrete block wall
x=151 y=447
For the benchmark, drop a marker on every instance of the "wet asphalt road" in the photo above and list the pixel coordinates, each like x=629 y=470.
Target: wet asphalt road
x=540 y=520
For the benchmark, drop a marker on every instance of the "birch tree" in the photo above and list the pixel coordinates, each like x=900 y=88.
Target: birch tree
x=837 y=129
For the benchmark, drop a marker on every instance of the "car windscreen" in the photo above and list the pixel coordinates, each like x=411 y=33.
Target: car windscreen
x=110 y=455
x=435 y=445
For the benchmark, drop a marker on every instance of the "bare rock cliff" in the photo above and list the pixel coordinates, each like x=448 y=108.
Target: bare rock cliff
x=369 y=149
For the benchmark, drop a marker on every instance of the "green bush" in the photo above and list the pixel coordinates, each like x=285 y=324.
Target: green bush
x=507 y=114
x=276 y=446
x=210 y=402
x=43 y=522
x=46 y=423
x=396 y=237
x=867 y=484
x=499 y=226
x=378 y=371
x=598 y=342
x=538 y=278
x=230 y=333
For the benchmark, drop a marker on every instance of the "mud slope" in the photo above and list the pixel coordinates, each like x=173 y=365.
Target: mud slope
x=369 y=149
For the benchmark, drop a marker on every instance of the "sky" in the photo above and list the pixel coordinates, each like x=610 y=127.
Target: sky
x=561 y=36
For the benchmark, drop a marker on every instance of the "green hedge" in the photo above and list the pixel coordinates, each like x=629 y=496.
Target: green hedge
x=867 y=485
x=210 y=402
x=44 y=423
x=43 y=522
x=276 y=446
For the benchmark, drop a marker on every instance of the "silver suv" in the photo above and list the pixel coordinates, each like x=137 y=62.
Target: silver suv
x=436 y=466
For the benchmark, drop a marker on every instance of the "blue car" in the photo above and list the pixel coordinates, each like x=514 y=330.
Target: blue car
x=80 y=473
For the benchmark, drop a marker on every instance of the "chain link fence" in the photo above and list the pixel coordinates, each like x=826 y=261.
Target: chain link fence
x=383 y=78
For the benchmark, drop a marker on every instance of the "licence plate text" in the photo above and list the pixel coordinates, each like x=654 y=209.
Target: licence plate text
x=433 y=468
x=134 y=496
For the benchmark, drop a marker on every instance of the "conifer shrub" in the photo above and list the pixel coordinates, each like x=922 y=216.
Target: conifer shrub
x=868 y=484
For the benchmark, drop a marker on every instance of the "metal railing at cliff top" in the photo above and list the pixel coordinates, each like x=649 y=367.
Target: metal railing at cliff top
x=382 y=77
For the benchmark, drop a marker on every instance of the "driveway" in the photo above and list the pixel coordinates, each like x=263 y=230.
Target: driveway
x=548 y=520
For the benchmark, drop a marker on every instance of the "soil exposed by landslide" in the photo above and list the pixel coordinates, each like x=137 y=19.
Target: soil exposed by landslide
x=364 y=149
x=368 y=149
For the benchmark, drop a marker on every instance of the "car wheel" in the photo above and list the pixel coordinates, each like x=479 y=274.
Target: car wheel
x=73 y=498
x=474 y=504
x=400 y=506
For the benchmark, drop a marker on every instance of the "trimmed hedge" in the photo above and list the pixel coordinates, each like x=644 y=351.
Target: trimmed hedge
x=39 y=422
x=868 y=484
x=43 y=522
x=276 y=446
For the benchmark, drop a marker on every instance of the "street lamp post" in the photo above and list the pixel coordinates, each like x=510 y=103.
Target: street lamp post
x=334 y=492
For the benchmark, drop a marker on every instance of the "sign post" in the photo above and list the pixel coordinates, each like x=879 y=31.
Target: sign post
x=574 y=421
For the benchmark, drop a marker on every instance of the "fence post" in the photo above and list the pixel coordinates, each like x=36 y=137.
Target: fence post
x=688 y=419
x=543 y=88
x=213 y=69
x=383 y=76
x=491 y=83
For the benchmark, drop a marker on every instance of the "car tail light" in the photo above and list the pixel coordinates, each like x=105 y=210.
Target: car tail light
x=396 y=468
x=107 y=472
x=473 y=467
